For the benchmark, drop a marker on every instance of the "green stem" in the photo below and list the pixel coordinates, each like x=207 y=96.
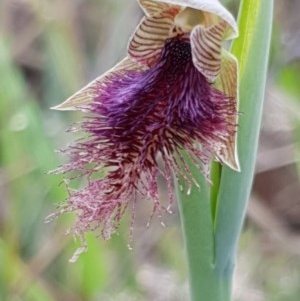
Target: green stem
x=197 y=225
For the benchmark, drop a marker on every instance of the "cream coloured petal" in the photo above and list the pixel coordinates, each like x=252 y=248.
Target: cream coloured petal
x=206 y=44
x=88 y=93
x=214 y=9
x=149 y=38
x=152 y=8
x=227 y=82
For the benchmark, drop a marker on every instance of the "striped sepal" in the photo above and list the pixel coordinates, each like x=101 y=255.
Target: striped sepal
x=206 y=49
x=88 y=93
x=227 y=82
x=153 y=8
x=213 y=11
x=149 y=38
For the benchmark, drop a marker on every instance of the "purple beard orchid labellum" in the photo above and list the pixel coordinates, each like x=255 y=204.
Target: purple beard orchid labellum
x=176 y=90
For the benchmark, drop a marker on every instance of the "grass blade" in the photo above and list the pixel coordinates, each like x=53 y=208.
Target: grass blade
x=252 y=52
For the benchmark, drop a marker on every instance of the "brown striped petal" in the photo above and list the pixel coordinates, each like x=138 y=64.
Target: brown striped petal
x=206 y=46
x=88 y=93
x=227 y=82
x=214 y=12
x=153 y=8
x=149 y=38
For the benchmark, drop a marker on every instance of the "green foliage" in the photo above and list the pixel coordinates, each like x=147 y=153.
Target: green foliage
x=252 y=52
x=211 y=249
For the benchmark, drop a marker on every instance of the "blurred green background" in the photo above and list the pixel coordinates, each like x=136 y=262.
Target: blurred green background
x=50 y=49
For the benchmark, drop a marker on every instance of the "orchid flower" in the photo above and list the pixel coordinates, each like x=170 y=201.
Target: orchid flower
x=176 y=90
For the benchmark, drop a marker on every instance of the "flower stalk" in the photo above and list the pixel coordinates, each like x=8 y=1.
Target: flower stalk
x=212 y=225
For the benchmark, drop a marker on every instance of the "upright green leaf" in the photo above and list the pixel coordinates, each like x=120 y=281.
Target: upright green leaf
x=252 y=52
